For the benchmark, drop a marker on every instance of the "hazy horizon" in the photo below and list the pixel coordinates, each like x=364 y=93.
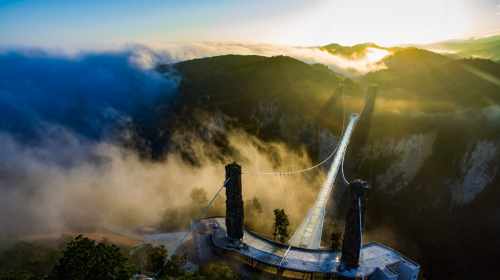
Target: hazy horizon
x=315 y=23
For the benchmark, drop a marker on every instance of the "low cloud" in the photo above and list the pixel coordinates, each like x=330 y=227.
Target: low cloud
x=145 y=57
x=350 y=66
x=66 y=180
x=88 y=93
x=64 y=113
x=63 y=162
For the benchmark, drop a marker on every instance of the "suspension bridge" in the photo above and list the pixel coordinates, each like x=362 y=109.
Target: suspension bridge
x=308 y=233
x=294 y=260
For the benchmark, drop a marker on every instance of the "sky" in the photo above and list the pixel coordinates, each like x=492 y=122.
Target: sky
x=49 y=23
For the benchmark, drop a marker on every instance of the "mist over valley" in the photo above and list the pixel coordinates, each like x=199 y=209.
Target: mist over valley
x=120 y=138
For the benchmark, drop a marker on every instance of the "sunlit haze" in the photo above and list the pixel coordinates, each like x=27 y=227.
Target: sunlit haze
x=201 y=140
x=307 y=23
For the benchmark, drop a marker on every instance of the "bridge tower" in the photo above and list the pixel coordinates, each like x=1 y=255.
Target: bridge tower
x=351 y=244
x=234 y=202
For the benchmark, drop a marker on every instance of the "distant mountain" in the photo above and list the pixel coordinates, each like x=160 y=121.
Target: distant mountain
x=489 y=50
x=413 y=59
x=457 y=81
x=402 y=63
x=237 y=83
x=461 y=81
x=461 y=45
x=451 y=55
x=455 y=45
x=488 y=47
x=358 y=50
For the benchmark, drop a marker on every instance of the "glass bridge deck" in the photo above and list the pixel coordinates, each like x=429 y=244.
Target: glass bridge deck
x=308 y=234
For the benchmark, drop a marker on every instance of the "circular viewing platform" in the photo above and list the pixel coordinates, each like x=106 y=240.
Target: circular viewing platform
x=379 y=262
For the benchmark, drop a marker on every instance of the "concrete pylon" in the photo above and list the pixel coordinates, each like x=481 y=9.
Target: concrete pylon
x=234 y=202
x=351 y=244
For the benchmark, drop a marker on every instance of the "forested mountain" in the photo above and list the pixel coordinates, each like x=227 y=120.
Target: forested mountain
x=486 y=47
x=489 y=50
x=413 y=59
x=403 y=63
x=358 y=50
x=462 y=45
x=234 y=76
x=429 y=151
x=468 y=82
x=241 y=86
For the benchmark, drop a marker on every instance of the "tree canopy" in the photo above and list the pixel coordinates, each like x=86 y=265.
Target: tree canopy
x=151 y=258
x=281 y=224
x=199 y=196
x=28 y=256
x=85 y=260
x=336 y=237
x=220 y=271
x=19 y=274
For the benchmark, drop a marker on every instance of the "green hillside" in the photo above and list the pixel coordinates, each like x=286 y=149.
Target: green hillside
x=490 y=50
x=462 y=45
x=413 y=59
x=402 y=64
x=358 y=50
x=466 y=82
x=469 y=82
x=488 y=47
x=237 y=83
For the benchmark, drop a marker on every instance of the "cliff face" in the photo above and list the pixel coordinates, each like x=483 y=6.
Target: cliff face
x=389 y=164
x=478 y=168
x=294 y=128
x=327 y=142
x=408 y=156
x=265 y=113
x=398 y=160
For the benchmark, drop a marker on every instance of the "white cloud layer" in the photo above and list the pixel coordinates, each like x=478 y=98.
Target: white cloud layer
x=144 y=57
x=149 y=56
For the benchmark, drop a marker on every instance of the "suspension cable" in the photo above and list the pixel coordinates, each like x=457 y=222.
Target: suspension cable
x=343 y=157
x=191 y=228
x=342 y=135
x=361 y=235
x=307 y=169
x=343 y=97
x=343 y=177
x=366 y=101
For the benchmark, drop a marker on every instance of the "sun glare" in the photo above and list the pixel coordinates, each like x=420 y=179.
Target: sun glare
x=375 y=55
